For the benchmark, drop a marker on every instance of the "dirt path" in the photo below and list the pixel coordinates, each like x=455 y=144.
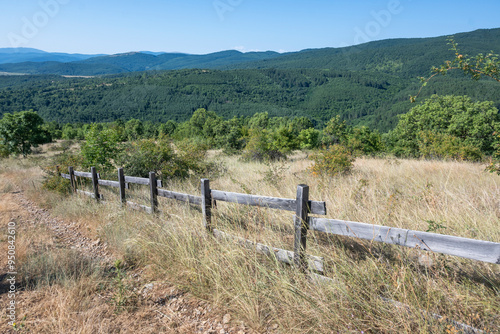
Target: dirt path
x=161 y=307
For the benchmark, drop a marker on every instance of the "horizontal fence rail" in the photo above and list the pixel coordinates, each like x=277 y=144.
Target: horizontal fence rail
x=479 y=250
x=316 y=207
x=114 y=184
x=196 y=200
x=88 y=193
x=282 y=255
x=85 y=174
x=141 y=180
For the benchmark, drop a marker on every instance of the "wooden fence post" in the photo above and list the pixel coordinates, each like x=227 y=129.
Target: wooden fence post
x=72 y=178
x=153 y=187
x=301 y=226
x=95 y=183
x=121 y=181
x=206 y=204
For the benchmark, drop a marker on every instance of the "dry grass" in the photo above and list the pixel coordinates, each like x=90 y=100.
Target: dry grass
x=450 y=197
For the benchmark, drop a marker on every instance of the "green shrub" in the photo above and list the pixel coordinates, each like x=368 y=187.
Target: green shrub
x=100 y=148
x=261 y=147
x=474 y=123
x=309 y=138
x=187 y=158
x=331 y=161
x=4 y=151
x=148 y=155
x=443 y=146
x=52 y=181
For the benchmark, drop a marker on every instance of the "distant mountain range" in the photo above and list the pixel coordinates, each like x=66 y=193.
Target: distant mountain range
x=33 y=61
x=367 y=84
x=403 y=57
x=20 y=55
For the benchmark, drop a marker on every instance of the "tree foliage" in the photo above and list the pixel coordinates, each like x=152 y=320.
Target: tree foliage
x=21 y=131
x=450 y=119
x=100 y=148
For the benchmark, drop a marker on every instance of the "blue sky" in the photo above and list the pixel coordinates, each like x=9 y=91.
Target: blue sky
x=204 y=26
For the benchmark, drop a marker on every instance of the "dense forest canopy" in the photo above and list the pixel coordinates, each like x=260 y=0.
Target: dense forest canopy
x=362 y=97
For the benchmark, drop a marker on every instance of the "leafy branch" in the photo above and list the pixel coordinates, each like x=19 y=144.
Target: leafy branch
x=476 y=67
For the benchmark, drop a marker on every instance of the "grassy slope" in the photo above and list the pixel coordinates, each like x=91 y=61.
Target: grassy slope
x=400 y=193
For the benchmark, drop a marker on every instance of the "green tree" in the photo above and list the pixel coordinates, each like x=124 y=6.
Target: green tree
x=262 y=147
x=21 y=131
x=134 y=129
x=259 y=121
x=100 y=148
x=309 y=138
x=168 y=128
x=362 y=140
x=336 y=131
x=147 y=155
x=472 y=123
x=69 y=132
x=284 y=139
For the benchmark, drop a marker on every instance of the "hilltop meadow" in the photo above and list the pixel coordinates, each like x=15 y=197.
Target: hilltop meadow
x=450 y=197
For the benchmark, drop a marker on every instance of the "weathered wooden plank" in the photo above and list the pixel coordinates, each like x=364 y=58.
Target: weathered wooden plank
x=109 y=183
x=317 y=278
x=206 y=204
x=282 y=255
x=268 y=202
x=467 y=248
x=65 y=176
x=140 y=207
x=317 y=207
x=88 y=193
x=95 y=183
x=153 y=191
x=141 y=180
x=122 y=185
x=196 y=200
x=301 y=225
x=83 y=174
x=71 y=172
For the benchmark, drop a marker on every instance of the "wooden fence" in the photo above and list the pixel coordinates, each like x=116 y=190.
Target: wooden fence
x=479 y=250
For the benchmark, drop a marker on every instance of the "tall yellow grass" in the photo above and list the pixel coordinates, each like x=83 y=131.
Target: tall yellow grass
x=453 y=198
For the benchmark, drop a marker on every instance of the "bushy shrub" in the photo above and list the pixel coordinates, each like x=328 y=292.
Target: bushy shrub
x=168 y=161
x=443 y=146
x=363 y=141
x=144 y=156
x=100 y=148
x=331 y=161
x=59 y=164
x=4 y=151
x=309 y=138
x=473 y=123
x=260 y=147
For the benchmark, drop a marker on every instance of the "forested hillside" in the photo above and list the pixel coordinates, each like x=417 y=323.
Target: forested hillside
x=362 y=97
x=369 y=84
x=404 y=57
